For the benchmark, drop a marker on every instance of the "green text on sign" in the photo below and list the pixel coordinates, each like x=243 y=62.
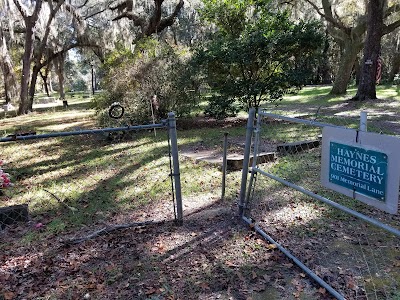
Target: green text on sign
x=358 y=169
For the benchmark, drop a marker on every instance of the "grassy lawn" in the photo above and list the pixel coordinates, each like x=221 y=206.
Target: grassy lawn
x=76 y=185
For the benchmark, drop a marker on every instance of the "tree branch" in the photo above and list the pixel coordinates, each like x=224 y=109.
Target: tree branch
x=108 y=229
x=389 y=28
x=328 y=16
x=95 y=13
x=65 y=50
x=73 y=209
x=48 y=26
x=170 y=20
x=154 y=24
x=21 y=10
x=390 y=10
x=83 y=4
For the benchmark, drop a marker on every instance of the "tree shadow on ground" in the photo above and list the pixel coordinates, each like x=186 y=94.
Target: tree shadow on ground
x=210 y=257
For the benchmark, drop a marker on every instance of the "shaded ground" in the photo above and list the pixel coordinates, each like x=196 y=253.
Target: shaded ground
x=212 y=256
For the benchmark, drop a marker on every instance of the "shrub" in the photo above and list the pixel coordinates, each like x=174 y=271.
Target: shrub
x=155 y=75
x=220 y=108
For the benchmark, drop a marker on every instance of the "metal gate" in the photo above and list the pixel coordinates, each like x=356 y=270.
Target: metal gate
x=294 y=165
x=20 y=212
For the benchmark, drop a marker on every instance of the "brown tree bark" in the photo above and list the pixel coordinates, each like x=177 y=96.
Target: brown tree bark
x=45 y=77
x=154 y=23
x=395 y=66
x=32 y=86
x=344 y=34
x=39 y=53
x=59 y=68
x=372 y=48
x=26 y=67
x=6 y=66
x=347 y=60
x=30 y=22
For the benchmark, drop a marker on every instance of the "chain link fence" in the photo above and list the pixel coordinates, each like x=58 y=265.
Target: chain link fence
x=357 y=260
x=97 y=182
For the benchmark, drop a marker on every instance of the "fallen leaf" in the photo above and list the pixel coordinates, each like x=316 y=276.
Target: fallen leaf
x=39 y=225
x=240 y=275
x=150 y=291
x=322 y=291
x=8 y=295
x=230 y=264
x=204 y=285
x=288 y=265
x=341 y=272
x=253 y=275
x=351 y=284
x=260 y=241
x=297 y=284
x=267 y=277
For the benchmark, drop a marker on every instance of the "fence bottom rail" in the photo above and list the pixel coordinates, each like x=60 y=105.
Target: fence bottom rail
x=310 y=273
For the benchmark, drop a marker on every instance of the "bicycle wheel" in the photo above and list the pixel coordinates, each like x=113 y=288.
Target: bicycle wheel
x=116 y=111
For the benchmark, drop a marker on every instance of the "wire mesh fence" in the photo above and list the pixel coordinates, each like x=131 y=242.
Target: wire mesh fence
x=90 y=182
x=358 y=260
x=382 y=115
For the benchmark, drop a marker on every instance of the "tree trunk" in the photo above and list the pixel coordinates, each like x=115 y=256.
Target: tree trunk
x=357 y=71
x=8 y=99
x=10 y=81
x=50 y=82
x=93 y=85
x=347 y=60
x=395 y=66
x=60 y=74
x=325 y=68
x=46 y=77
x=372 y=48
x=32 y=87
x=45 y=84
x=26 y=68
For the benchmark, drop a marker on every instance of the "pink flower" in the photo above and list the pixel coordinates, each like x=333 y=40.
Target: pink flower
x=4 y=178
x=39 y=225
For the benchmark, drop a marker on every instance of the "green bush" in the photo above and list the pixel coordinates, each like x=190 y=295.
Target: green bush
x=79 y=85
x=154 y=76
x=220 y=108
x=396 y=80
x=257 y=54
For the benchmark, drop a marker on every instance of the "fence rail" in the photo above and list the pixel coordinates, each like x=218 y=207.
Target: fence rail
x=169 y=124
x=16 y=137
x=305 y=155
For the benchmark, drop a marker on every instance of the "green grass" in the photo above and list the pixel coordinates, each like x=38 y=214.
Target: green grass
x=319 y=95
x=80 y=181
x=100 y=178
x=316 y=101
x=95 y=179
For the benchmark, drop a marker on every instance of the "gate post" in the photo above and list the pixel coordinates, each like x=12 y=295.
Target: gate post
x=246 y=159
x=363 y=121
x=257 y=130
x=175 y=162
